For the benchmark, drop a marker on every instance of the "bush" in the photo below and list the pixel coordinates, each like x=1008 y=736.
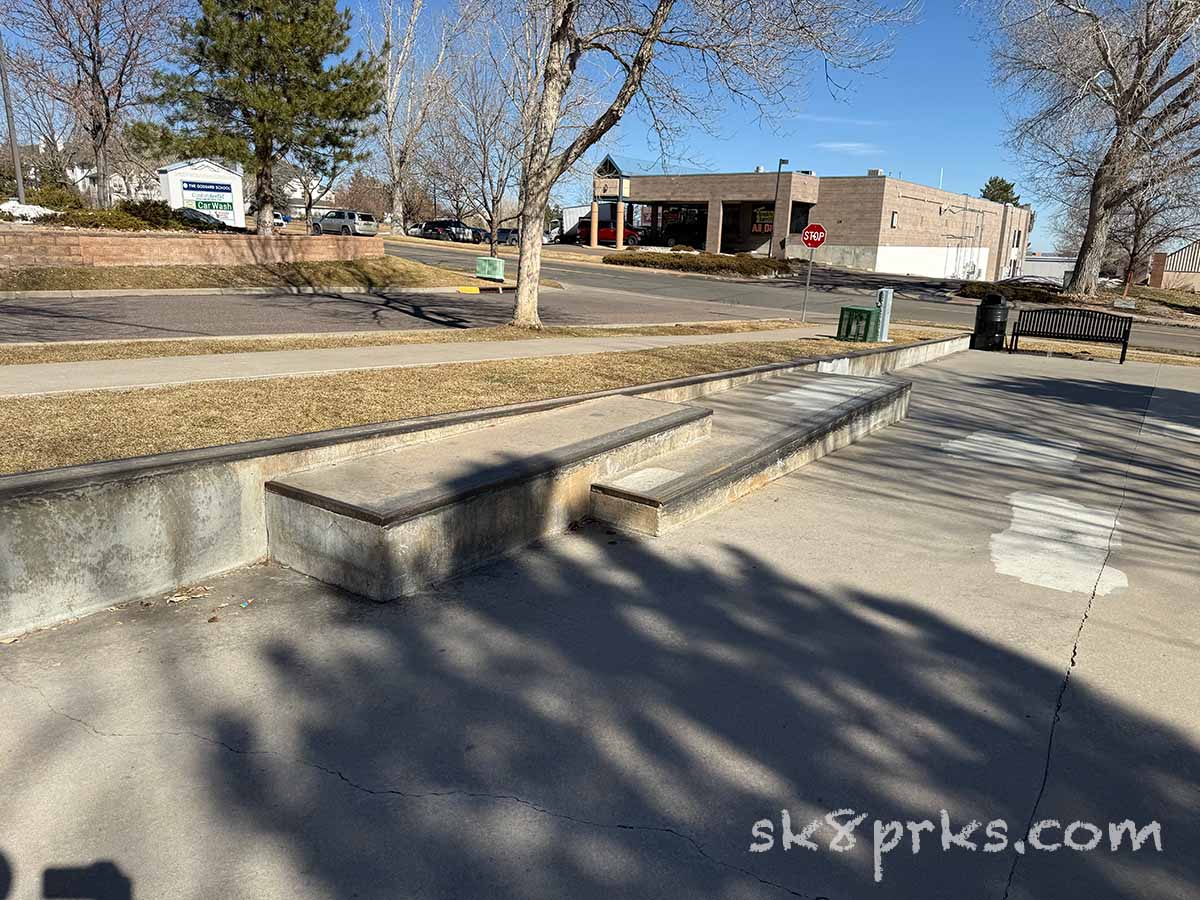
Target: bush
x=115 y=219
x=7 y=216
x=155 y=213
x=704 y=263
x=1013 y=293
x=55 y=196
x=683 y=248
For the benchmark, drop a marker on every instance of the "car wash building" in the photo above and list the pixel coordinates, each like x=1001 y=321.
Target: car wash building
x=205 y=185
x=875 y=222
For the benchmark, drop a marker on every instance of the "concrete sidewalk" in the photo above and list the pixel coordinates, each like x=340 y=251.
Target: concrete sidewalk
x=55 y=378
x=989 y=609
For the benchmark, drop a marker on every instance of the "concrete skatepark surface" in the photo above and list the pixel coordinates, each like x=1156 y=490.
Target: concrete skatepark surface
x=989 y=608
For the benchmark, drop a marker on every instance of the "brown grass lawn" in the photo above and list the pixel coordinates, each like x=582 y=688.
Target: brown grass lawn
x=76 y=351
x=370 y=273
x=87 y=426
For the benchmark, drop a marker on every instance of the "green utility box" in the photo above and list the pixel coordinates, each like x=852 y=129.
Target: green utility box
x=489 y=267
x=858 y=323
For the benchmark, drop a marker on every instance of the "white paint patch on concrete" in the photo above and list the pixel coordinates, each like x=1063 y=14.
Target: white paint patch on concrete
x=1057 y=544
x=1015 y=450
x=647 y=478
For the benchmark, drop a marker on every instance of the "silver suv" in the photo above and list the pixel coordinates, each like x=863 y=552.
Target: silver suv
x=344 y=221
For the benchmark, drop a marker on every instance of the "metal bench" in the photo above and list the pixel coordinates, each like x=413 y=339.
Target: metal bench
x=1068 y=324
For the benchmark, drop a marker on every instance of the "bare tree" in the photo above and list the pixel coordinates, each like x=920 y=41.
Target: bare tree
x=673 y=60
x=96 y=56
x=476 y=148
x=1113 y=96
x=414 y=55
x=1156 y=217
x=316 y=171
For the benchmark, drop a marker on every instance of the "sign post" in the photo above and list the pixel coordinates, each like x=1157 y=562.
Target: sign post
x=813 y=236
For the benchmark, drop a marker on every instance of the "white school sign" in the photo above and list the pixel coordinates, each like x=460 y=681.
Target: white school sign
x=205 y=185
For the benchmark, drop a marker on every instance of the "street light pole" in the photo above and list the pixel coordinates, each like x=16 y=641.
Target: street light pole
x=778 y=174
x=12 y=132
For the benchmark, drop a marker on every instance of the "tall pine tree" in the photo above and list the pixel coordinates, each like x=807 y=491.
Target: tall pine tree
x=261 y=78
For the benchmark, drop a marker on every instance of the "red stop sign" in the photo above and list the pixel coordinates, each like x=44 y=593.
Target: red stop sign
x=813 y=236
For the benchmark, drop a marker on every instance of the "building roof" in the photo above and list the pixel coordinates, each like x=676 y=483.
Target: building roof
x=186 y=163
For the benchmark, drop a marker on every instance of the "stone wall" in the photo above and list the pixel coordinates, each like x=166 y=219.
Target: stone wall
x=24 y=247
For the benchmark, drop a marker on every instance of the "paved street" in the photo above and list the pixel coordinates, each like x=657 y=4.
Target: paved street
x=988 y=609
x=593 y=295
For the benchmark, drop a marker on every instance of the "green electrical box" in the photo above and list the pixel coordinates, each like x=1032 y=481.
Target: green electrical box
x=489 y=267
x=858 y=323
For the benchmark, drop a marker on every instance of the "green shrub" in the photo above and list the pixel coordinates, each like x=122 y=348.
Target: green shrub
x=705 y=263
x=155 y=213
x=56 y=196
x=683 y=248
x=114 y=219
x=1013 y=293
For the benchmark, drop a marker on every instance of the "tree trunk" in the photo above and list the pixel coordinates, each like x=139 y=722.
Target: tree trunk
x=1105 y=183
x=398 y=223
x=103 y=198
x=264 y=218
x=529 y=259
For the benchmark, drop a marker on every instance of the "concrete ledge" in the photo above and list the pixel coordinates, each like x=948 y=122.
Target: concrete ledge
x=670 y=504
x=471 y=503
x=77 y=539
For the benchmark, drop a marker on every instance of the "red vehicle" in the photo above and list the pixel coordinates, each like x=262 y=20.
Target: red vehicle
x=607 y=233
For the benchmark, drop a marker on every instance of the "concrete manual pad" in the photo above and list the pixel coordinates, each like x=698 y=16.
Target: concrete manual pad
x=387 y=487
x=391 y=524
x=760 y=431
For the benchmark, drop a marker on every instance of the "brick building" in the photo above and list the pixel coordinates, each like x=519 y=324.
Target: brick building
x=874 y=222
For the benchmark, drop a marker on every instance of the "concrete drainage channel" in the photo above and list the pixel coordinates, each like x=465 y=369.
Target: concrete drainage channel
x=79 y=539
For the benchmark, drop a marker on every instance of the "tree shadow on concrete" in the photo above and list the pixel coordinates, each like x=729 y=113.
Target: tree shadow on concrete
x=601 y=718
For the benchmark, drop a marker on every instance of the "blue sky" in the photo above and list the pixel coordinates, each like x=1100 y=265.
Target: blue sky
x=932 y=106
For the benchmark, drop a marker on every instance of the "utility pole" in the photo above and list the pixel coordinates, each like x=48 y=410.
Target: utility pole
x=778 y=175
x=12 y=131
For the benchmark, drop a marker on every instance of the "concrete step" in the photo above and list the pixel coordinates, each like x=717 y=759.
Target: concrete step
x=760 y=432
x=394 y=523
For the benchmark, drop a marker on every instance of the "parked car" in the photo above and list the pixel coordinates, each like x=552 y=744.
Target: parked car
x=607 y=233
x=689 y=233
x=345 y=221
x=414 y=230
x=479 y=236
x=509 y=236
x=448 y=230
x=278 y=220
x=201 y=220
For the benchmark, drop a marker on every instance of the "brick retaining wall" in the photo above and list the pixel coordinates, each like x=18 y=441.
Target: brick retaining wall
x=22 y=248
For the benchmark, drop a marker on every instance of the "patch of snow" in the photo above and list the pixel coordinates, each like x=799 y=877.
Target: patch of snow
x=27 y=211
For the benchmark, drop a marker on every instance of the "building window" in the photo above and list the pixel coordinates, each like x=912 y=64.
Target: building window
x=895 y=219
x=1016 y=239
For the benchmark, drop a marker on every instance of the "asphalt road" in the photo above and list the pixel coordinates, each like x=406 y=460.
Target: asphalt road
x=592 y=295
x=988 y=609
x=915 y=299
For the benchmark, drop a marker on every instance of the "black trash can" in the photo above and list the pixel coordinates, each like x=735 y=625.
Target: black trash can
x=991 y=320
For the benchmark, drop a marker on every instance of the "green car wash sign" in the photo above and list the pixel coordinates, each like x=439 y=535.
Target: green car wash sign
x=212 y=197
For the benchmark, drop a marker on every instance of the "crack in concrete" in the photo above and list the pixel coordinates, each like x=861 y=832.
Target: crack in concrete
x=1071 y=663
x=695 y=844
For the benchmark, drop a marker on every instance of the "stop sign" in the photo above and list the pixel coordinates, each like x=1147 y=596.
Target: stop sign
x=813 y=236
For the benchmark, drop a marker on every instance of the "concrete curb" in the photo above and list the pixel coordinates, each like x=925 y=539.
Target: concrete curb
x=234 y=291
